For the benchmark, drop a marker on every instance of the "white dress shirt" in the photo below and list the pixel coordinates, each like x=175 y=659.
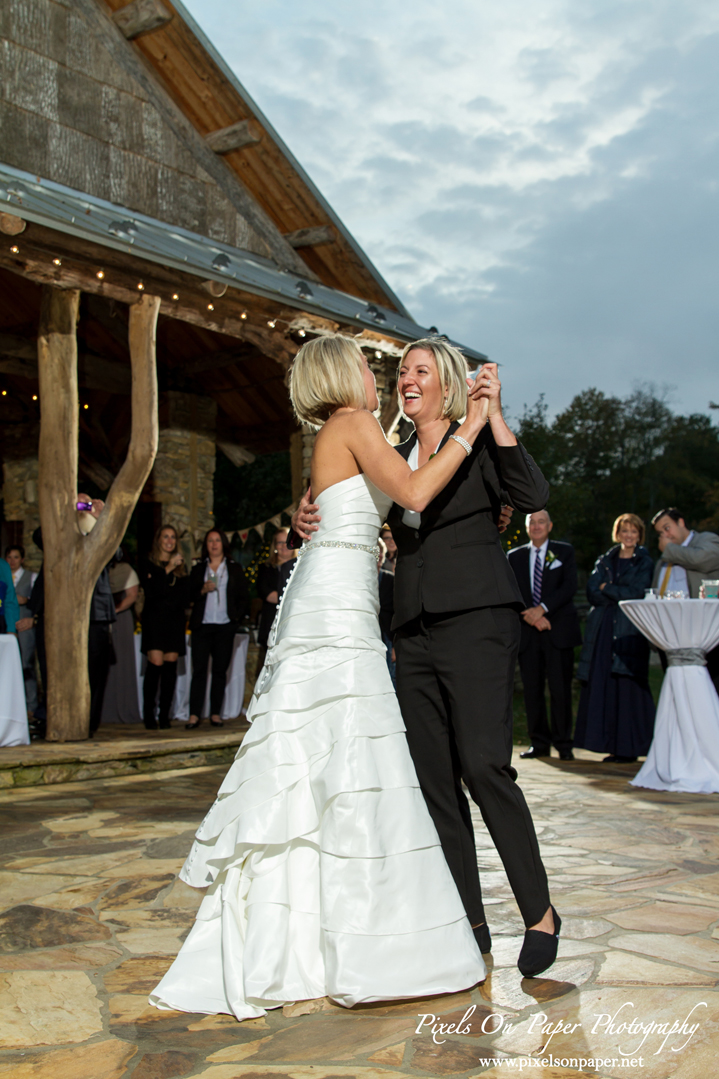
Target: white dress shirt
x=216 y=602
x=534 y=553
x=410 y=517
x=678 y=578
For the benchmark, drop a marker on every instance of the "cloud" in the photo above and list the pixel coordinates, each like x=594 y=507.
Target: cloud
x=537 y=180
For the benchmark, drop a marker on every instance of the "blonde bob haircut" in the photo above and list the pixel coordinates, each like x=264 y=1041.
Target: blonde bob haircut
x=452 y=371
x=327 y=374
x=629 y=519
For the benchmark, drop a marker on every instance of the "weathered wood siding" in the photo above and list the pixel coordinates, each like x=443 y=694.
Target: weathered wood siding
x=70 y=113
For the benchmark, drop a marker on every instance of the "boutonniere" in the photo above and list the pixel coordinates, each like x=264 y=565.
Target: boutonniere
x=551 y=557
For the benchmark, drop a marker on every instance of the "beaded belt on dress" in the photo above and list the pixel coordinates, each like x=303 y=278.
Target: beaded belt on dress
x=340 y=543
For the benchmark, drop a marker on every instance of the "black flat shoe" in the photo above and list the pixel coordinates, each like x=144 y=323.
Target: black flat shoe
x=566 y=755
x=216 y=723
x=483 y=937
x=532 y=754
x=193 y=726
x=539 y=949
x=150 y=725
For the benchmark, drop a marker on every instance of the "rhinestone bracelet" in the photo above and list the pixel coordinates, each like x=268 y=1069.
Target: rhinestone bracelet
x=463 y=443
x=339 y=543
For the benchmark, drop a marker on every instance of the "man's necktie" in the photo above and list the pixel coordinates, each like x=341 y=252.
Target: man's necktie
x=537 y=580
x=665 y=580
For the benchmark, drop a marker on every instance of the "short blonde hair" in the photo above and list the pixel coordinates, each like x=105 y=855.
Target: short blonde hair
x=630 y=519
x=452 y=370
x=327 y=374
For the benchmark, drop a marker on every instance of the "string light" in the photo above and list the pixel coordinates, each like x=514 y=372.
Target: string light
x=140 y=286
x=302 y=333
x=4 y=393
x=272 y=323
x=15 y=249
x=34 y=397
x=100 y=274
x=175 y=296
x=210 y=307
x=378 y=355
x=243 y=315
x=85 y=406
x=57 y=262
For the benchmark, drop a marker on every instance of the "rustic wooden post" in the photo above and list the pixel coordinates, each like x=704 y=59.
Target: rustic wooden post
x=73 y=562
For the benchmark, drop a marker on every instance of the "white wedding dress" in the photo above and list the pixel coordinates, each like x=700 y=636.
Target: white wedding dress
x=325 y=872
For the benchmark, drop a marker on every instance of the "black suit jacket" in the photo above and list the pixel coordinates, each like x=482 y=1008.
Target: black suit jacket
x=559 y=587
x=238 y=593
x=454 y=561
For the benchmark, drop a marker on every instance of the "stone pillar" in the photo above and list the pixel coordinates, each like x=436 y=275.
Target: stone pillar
x=20 y=481
x=184 y=468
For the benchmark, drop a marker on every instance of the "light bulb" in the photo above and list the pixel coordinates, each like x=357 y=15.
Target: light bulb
x=34 y=397
x=57 y=262
x=272 y=323
x=100 y=274
x=15 y=249
x=302 y=333
x=140 y=286
x=243 y=315
x=175 y=296
x=210 y=307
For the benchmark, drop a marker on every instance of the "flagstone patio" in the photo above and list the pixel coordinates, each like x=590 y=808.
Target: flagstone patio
x=92 y=914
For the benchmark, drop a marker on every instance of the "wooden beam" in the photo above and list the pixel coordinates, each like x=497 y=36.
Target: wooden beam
x=311 y=237
x=141 y=17
x=102 y=28
x=36 y=264
x=234 y=137
x=12 y=225
x=18 y=356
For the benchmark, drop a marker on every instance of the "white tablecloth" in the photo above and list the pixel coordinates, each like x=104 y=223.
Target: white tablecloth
x=684 y=755
x=234 y=684
x=13 y=711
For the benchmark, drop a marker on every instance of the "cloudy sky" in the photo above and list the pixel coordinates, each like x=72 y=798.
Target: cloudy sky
x=540 y=181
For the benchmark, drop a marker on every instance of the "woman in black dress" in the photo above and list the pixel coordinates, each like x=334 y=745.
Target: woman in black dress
x=270 y=579
x=165 y=582
x=616 y=708
x=220 y=599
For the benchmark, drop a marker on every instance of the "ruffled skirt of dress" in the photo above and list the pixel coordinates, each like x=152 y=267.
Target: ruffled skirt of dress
x=324 y=871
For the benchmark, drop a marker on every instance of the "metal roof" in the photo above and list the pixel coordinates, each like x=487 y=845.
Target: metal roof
x=89 y=218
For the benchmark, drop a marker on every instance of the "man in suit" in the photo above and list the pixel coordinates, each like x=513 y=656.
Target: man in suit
x=24 y=580
x=546 y=573
x=688 y=557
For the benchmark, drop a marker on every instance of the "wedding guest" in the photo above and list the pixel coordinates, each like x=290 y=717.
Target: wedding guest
x=121 y=704
x=688 y=557
x=9 y=608
x=546 y=573
x=23 y=580
x=616 y=708
x=386 y=599
x=269 y=588
x=220 y=599
x=390 y=559
x=165 y=583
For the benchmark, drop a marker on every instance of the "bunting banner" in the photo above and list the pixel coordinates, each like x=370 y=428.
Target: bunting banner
x=275 y=521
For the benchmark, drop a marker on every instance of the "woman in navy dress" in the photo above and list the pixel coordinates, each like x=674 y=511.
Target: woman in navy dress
x=616 y=708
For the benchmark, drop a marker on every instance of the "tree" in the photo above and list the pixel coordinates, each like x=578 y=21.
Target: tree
x=72 y=562
x=607 y=455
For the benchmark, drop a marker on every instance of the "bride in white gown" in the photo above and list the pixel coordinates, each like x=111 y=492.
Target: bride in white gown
x=323 y=870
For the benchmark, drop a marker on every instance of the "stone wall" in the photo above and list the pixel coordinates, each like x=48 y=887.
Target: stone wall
x=20 y=483
x=183 y=473
x=70 y=113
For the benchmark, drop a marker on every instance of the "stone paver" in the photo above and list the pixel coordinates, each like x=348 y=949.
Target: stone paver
x=91 y=914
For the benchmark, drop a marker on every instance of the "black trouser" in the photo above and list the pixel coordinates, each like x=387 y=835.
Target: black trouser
x=455 y=676
x=210 y=640
x=712 y=664
x=99 y=655
x=542 y=662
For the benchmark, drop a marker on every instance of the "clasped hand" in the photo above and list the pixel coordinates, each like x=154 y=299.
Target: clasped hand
x=537 y=617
